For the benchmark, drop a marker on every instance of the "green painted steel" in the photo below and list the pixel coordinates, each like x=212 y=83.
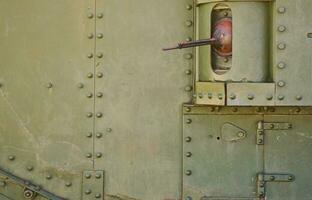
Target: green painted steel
x=92 y=108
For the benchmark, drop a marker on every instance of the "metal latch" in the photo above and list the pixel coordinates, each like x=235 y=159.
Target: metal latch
x=262 y=179
x=262 y=126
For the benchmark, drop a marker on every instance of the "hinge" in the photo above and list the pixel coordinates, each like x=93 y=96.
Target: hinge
x=93 y=185
x=262 y=126
x=262 y=179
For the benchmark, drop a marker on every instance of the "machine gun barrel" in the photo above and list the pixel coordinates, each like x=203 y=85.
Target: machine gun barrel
x=195 y=43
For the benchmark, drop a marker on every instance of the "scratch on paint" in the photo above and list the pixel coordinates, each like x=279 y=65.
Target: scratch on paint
x=18 y=118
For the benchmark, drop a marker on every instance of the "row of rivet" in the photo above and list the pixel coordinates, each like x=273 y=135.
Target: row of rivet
x=282 y=65
x=188 y=88
x=188 y=154
x=30 y=168
x=236 y=109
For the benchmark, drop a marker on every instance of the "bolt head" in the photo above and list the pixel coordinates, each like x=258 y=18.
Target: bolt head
x=90 y=95
x=299 y=97
x=188 y=172
x=99 y=115
x=109 y=130
x=99 y=135
x=88 y=175
x=98 y=155
x=250 y=96
x=90 y=35
x=281 y=97
x=90 y=15
x=88 y=191
x=281 y=83
x=189 y=7
x=281 y=10
x=269 y=97
x=90 y=55
x=281 y=46
x=99 y=75
x=11 y=157
x=99 y=94
x=89 y=155
x=90 y=75
x=99 y=35
x=189 y=23
x=188 y=154
x=29 y=168
x=89 y=135
x=98 y=196
x=188 y=121
x=100 y=15
x=188 y=88
x=68 y=184
x=188 y=109
x=241 y=134
x=89 y=114
x=281 y=28
x=232 y=96
x=98 y=175
x=188 y=72
x=188 y=139
x=272 y=178
x=281 y=65
x=290 y=178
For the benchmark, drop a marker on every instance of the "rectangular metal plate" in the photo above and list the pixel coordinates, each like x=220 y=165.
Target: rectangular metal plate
x=208 y=93
x=218 y=167
x=296 y=53
x=93 y=185
x=250 y=94
x=289 y=152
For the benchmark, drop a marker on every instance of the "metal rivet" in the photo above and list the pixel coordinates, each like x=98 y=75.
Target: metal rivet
x=100 y=15
x=188 y=72
x=90 y=35
x=272 y=126
x=209 y=95
x=98 y=175
x=90 y=15
x=189 y=7
x=281 y=83
x=262 y=183
x=281 y=46
x=250 y=96
x=220 y=96
x=98 y=196
x=281 y=97
x=188 y=88
x=272 y=178
x=68 y=184
x=99 y=55
x=29 y=168
x=188 y=154
x=212 y=109
x=90 y=95
x=89 y=155
x=90 y=75
x=90 y=55
x=297 y=110
x=189 y=23
x=188 y=121
x=281 y=28
x=299 y=97
x=49 y=85
x=261 y=194
x=48 y=176
x=269 y=97
x=99 y=94
x=2 y=184
x=11 y=157
x=89 y=114
x=99 y=75
x=290 y=178
x=188 y=172
x=188 y=109
x=109 y=130
x=235 y=109
x=99 y=135
x=99 y=115
x=232 y=96
x=281 y=10
x=281 y=65
x=200 y=95
x=188 y=39
x=88 y=175
x=99 y=35
x=225 y=60
x=89 y=135
x=188 y=139
x=188 y=56
x=80 y=85
x=241 y=134
x=88 y=191
x=98 y=155
x=260 y=141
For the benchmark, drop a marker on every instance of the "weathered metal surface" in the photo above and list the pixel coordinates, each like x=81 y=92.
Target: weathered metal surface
x=292 y=21
x=93 y=185
x=289 y=152
x=215 y=166
x=250 y=94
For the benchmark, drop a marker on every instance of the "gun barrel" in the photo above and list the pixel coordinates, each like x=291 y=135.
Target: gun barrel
x=195 y=43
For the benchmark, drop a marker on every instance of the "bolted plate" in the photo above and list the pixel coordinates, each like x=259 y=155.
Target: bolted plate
x=93 y=185
x=208 y=93
x=250 y=94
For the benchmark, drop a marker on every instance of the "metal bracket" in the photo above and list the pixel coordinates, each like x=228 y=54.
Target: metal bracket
x=93 y=185
x=262 y=179
x=262 y=126
x=30 y=186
